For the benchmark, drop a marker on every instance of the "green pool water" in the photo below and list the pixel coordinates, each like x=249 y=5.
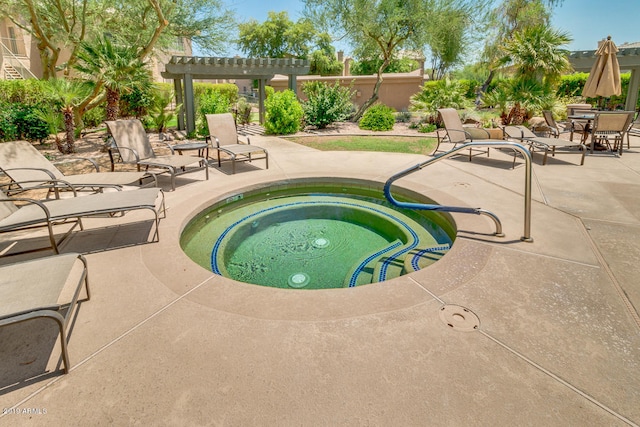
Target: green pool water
x=285 y=239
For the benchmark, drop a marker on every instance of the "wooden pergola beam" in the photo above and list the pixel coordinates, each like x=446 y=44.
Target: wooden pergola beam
x=629 y=60
x=184 y=69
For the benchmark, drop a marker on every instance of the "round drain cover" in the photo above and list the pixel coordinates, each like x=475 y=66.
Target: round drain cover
x=299 y=280
x=459 y=318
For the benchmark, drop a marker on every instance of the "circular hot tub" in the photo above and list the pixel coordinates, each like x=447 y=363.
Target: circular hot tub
x=316 y=235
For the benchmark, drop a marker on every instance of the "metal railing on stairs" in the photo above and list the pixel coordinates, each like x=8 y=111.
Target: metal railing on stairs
x=12 y=65
x=476 y=211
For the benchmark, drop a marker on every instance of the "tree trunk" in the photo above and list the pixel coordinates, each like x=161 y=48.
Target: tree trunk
x=376 y=88
x=113 y=104
x=69 y=146
x=485 y=86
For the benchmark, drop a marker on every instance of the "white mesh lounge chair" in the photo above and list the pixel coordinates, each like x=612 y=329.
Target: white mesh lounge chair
x=131 y=144
x=34 y=289
x=455 y=133
x=24 y=164
x=525 y=135
x=223 y=137
x=70 y=211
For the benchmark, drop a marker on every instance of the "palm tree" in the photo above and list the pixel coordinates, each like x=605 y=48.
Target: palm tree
x=114 y=67
x=537 y=62
x=69 y=93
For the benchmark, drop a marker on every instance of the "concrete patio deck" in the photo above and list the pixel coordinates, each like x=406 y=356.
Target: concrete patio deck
x=164 y=342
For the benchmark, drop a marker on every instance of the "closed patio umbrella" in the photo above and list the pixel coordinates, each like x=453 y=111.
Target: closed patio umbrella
x=604 y=78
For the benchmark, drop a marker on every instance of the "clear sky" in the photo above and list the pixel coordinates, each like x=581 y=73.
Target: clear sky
x=587 y=21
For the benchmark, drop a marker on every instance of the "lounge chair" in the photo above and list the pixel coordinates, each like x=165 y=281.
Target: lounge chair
x=35 y=289
x=222 y=130
x=609 y=128
x=455 y=133
x=131 y=144
x=556 y=128
x=70 y=211
x=525 y=135
x=24 y=164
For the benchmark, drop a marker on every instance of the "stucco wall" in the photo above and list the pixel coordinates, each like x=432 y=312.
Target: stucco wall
x=395 y=91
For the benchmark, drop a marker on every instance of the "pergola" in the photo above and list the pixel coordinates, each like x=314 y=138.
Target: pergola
x=629 y=60
x=184 y=69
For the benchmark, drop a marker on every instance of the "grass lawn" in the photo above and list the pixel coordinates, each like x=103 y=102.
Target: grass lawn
x=393 y=144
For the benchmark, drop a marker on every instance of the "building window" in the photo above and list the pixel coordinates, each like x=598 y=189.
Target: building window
x=13 y=43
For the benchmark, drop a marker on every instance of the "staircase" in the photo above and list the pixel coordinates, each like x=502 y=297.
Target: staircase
x=10 y=73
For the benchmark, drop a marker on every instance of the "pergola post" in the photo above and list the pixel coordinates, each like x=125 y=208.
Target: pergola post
x=632 y=93
x=177 y=88
x=189 y=104
x=293 y=85
x=261 y=97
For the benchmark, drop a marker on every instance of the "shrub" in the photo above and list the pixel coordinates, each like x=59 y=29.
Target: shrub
x=326 y=103
x=379 y=117
x=283 y=113
x=136 y=103
x=403 y=117
x=226 y=90
x=94 y=117
x=28 y=92
x=213 y=102
x=440 y=94
x=427 y=128
x=243 y=112
x=20 y=121
x=8 y=128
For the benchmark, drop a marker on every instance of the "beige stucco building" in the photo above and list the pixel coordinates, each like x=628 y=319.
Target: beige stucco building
x=20 y=58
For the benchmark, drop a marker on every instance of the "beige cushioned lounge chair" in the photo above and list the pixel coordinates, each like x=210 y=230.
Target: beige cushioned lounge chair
x=455 y=133
x=47 y=213
x=222 y=130
x=525 y=135
x=24 y=164
x=131 y=145
x=34 y=289
x=556 y=128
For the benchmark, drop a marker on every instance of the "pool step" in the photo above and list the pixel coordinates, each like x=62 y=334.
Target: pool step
x=418 y=259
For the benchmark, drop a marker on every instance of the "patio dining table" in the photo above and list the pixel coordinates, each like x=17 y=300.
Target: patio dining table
x=588 y=117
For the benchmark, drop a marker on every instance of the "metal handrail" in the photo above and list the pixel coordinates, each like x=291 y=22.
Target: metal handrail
x=477 y=211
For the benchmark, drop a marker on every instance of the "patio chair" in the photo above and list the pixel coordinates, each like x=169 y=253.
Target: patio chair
x=583 y=127
x=131 y=144
x=455 y=133
x=222 y=130
x=525 y=135
x=70 y=211
x=24 y=164
x=36 y=289
x=634 y=130
x=609 y=128
x=556 y=128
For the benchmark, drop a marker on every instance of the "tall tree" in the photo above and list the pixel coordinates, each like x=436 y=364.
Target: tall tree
x=277 y=37
x=504 y=20
x=448 y=34
x=114 y=67
x=69 y=93
x=59 y=27
x=376 y=29
x=537 y=60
